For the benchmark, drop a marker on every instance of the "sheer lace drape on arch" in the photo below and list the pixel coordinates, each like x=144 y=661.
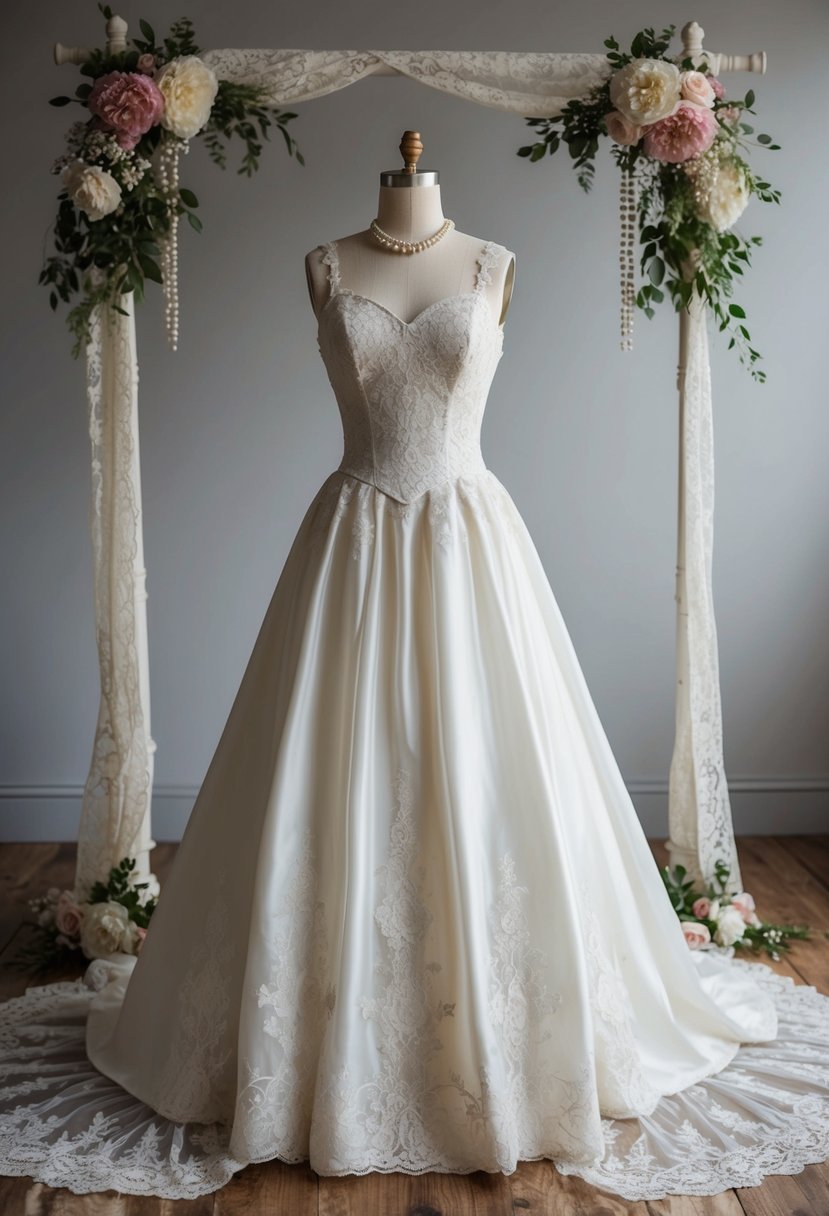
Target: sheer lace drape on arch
x=521 y=83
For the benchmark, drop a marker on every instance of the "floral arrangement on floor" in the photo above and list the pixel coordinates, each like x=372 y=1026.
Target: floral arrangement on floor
x=711 y=917
x=681 y=147
x=113 y=918
x=118 y=212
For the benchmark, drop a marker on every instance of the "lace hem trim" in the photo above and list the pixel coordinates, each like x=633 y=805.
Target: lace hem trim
x=65 y=1124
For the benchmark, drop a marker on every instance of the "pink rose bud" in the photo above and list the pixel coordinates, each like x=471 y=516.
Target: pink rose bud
x=701 y=907
x=146 y=63
x=696 y=935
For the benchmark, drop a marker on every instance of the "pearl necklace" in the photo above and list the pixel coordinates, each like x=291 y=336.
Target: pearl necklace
x=395 y=245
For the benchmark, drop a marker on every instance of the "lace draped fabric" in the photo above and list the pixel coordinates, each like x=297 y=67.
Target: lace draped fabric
x=699 y=810
x=65 y=1124
x=529 y=83
x=115 y=811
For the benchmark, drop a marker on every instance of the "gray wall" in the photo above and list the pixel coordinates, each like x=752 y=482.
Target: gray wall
x=239 y=428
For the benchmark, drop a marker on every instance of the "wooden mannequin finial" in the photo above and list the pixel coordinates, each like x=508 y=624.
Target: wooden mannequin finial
x=410 y=150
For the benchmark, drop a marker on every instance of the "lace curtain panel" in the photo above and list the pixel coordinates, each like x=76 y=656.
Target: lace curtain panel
x=115 y=817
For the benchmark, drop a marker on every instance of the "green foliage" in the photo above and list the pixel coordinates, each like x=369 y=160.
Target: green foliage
x=237 y=114
x=680 y=251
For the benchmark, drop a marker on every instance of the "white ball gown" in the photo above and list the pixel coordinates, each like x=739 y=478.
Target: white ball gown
x=414 y=923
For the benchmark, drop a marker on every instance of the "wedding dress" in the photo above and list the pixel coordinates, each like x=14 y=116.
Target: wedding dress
x=414 y=923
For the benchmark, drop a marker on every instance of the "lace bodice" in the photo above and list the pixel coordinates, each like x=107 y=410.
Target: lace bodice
x=411 y=394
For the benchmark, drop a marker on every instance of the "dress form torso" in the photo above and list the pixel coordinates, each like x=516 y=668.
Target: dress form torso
x=405 y=284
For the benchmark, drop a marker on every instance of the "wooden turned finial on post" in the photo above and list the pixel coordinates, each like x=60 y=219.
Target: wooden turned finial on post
x=410 y=150
x=692 y=36
x=116 y=35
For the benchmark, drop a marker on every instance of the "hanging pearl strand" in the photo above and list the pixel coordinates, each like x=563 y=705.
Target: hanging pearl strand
x=167 y=175
x=627 y=227
x=395 y=245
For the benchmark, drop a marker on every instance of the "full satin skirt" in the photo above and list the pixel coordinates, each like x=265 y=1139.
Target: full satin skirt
x=413 y=923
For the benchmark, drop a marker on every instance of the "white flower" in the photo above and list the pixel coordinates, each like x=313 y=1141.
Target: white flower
x=153 y=888
x=130 y=938
x=91 y=189
x=189 y=90
x=726 y=198
x=730 y=926
x=696 y=87
x=104 y=929
x=645 y=90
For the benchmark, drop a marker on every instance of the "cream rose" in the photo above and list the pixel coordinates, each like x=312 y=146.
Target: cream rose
x=730 y=926
x=91 y=189
x=621 y=130
x=696 y=87
x=189 y=88
x=103 y=929
x=727 y=197
x=645 y=90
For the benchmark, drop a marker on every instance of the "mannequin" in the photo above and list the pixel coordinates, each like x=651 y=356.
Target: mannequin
x=409 y=208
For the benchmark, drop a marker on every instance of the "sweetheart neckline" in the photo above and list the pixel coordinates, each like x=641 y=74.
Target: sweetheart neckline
x=356 y=295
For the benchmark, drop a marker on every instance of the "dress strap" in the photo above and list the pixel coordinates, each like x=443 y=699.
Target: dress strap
x=488 y=257
x=331 y=259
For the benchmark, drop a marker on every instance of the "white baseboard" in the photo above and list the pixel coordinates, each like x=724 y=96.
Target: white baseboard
x=761 y=806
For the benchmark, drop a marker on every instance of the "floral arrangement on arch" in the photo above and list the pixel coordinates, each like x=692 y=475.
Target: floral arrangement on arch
x=711 y=917
x=121 y=201
x=681 y=145
x=113 y=918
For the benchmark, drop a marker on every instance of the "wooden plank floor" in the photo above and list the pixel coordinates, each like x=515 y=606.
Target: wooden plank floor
x=789 y=878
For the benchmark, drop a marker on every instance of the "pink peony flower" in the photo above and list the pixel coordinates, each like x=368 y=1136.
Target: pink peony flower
x=696 y=936
x=129 y=103
x=717 y=86
x=621 y=130
x=701 y=907
x=68 y=915
x=686 y=133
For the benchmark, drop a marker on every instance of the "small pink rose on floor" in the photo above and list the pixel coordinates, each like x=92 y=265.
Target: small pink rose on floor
x=68 y=915
x=701 y=907
x=129 y=103
x=696 y=936
x=744 y=903
x=140 y=934
x=682 y=135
